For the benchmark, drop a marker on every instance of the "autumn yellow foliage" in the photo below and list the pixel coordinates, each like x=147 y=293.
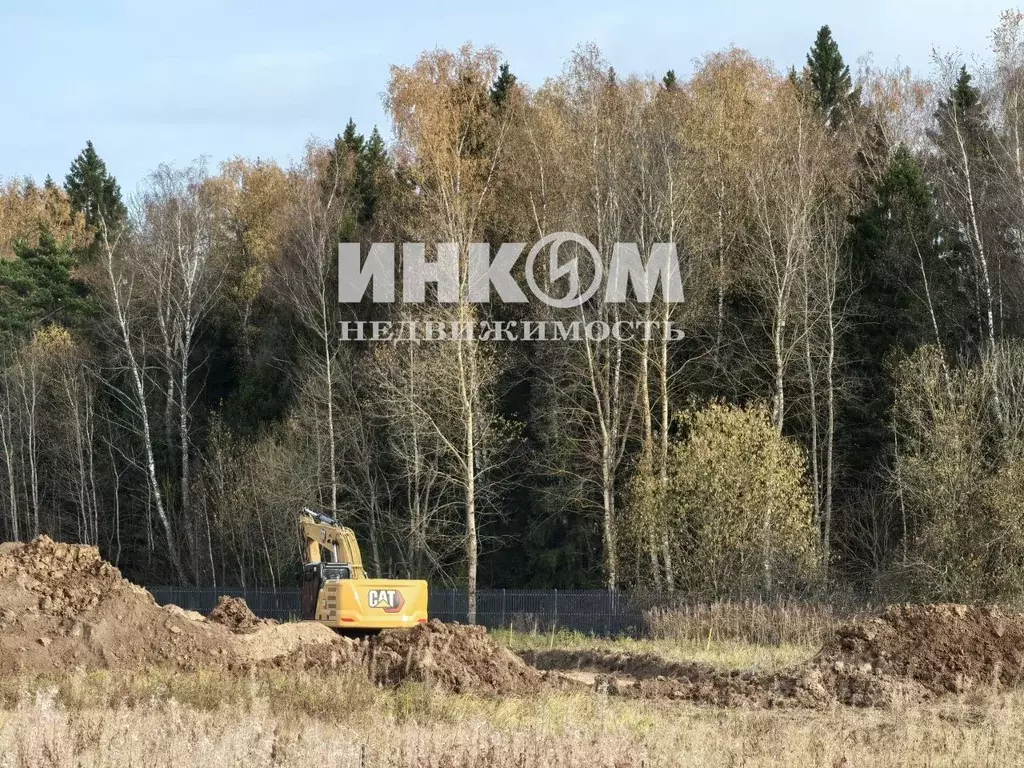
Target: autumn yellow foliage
x=736 y=505
x=26 y=209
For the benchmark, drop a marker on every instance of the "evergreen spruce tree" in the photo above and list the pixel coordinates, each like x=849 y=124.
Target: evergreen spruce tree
x=351 y=139
x=368 y=159
x=905 y=275
x=961 y=114
x=830 y=79
x=669 y=80
x=502 y=86
x=38 y=287
x=373 y=162
x=93 y=191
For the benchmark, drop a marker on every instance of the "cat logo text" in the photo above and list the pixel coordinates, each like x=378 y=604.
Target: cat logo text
x=390 y=600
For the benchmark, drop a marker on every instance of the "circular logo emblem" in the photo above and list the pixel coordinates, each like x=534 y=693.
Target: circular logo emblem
x=571 y=269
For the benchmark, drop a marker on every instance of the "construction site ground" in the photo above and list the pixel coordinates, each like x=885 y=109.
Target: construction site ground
x=65 y=614
x=63 y=607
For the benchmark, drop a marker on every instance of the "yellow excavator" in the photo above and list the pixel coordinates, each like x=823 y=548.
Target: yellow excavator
x=337 y=592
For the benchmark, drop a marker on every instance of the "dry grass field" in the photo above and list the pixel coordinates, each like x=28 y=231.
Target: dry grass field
x=164 y=718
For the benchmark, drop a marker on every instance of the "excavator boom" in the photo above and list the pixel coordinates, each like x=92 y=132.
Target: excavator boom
x=321 y=531
x=337 y=591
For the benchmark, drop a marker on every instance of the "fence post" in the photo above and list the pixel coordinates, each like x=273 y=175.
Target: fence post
x=554 y=618
x=503 y=607
x=608 y=615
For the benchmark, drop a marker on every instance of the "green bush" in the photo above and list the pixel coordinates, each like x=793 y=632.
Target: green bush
x=736 y=507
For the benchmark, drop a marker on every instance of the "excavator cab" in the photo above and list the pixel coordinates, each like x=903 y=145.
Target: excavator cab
x=337 y=591
x=313 y=577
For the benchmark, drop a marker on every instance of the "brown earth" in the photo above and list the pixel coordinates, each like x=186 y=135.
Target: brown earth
x=909 y=652
x=234 y=613
x=645 y=675
x=944 y=648
x=456 y=658
x=63 y=607
x=460 y=658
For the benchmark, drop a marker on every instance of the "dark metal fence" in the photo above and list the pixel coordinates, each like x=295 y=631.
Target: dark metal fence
x=593 y=611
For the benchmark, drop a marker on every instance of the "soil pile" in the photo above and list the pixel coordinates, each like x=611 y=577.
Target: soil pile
x=645 y=675
x=637 y=665
x=910 y=652
x=62 y=606
x=453 y=657
x=234 y=613
x=944 y=648
x=281 y=641
x=463 y=659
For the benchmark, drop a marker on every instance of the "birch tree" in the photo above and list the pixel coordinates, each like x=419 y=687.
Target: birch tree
x=129 y=380
x=178 y=265
x=453 y=142
x=306 y=280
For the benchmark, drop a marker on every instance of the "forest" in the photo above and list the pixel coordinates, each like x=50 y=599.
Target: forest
x=844 y=413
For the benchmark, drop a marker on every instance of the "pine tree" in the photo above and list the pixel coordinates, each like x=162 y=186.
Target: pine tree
x=502 y=86
x=962 y=114
x=908 y=291
x=93 y=191
x=38 y=287
x=830 y=79
x=669 y=80
x=351 y=139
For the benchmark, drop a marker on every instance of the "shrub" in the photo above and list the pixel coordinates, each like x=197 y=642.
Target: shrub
x=737 y=507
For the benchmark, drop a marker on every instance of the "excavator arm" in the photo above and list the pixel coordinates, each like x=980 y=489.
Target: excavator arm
x=319 y=530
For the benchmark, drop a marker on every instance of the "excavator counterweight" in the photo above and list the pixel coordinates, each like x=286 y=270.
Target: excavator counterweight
x=337 y=592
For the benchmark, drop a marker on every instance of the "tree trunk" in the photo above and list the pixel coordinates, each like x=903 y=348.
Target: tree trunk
x=183 y=430
x=139 y=391
x=829 y=440
x=468 y=384
x=666 y=550
x=608 y=520
x=6 y=429
x=779 y=393
x=647 y=450
x=815 y=478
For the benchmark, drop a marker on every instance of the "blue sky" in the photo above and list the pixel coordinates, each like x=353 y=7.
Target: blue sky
x=156 y=81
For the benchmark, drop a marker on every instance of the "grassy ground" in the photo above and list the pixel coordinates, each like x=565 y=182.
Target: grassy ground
x=164 y=719
x=161 y=718
x=727 y=654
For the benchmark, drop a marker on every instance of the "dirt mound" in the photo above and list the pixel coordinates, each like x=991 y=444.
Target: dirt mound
x=641 y=666
x=463 y=659
x=281 y=641
x=62 y=606
x=944 y=648
x=648 y=676
x=910 y=652
x=234 y=613
x=456 y=658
